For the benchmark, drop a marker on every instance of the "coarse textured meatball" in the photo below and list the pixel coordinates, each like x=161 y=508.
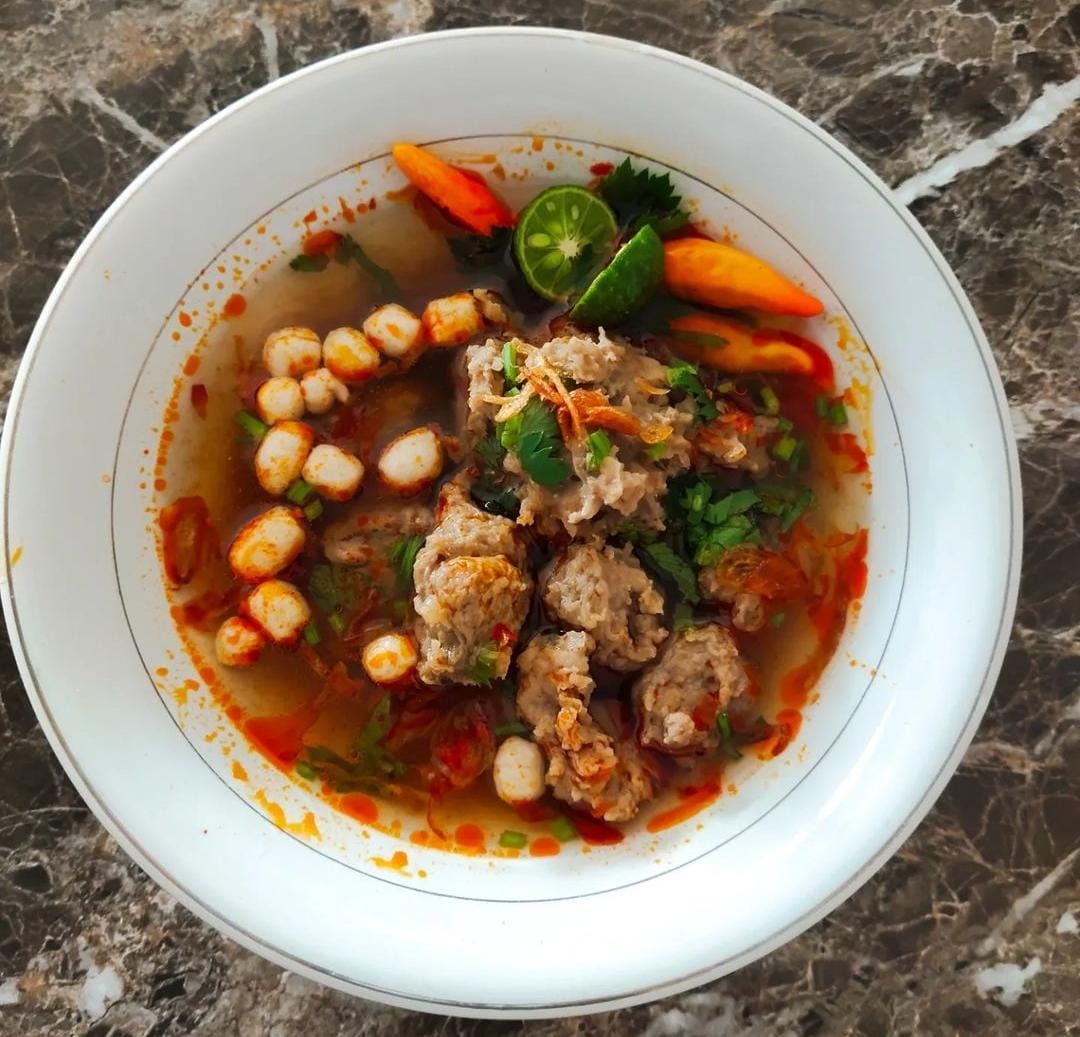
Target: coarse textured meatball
x=587 y=767
x=679 y=698
x=604 y=591
x=472 y=590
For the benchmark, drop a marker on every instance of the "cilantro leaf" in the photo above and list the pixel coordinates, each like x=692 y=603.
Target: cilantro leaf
x=639 y=196
x=403 y=552
x=670 y=566
x=635 y=533
x=349 y=250
x=533 y=435
x=367 y=765
x=309 y=264
x=479 y=251
x=491 y=453
x=685 y=376
x=329 y=589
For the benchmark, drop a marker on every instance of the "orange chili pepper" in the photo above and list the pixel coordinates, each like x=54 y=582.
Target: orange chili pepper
x=720 y=275
x=463 y=195
x=734 y=348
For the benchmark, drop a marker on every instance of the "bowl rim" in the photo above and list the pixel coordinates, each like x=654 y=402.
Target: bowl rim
x=206 y=913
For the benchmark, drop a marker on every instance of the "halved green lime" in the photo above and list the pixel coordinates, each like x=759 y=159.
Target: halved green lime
x=626 y=283
x=559 y=235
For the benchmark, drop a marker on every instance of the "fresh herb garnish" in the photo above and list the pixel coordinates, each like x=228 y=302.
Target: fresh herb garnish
x=485 y=664
x=346 y=251
x=251 y=424
x=563 y=829
x=514 y=727
x=299 y=492
x=306 y=264
x=727 y=736
x=639 y=196
x=597 y=447
x=712 y=522
x=533 y=435
x=488 y=490
x=784 y=448
x=305 y=770
x=655 y=451
x=368 y=746
x=311 y=634
x=770 y=402
x=673 y=568
x=313 y=509
x=511 y=371
x=498 y=500
x=403 y=552
x=479 y=251
x=491 y=453
x=685 y=376
x=367 y=765
x=512 y=840
x=777 y=619
x=329 y=590
x=683 y=616
x=784 y=500
x=337 y=623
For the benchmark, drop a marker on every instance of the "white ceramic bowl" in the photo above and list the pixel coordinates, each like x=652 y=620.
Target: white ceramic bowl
x=84 y=602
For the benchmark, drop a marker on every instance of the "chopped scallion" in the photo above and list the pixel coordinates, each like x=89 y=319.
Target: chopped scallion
x=337 y=622
x=778 y=619
x=727 y=736
x=313 y=510
x=512 y=728
x=511 y=371
x=251 y=424
x=784 y=448
x=299 y=492
x=311 y=634
x=656 y=451
x=726 y=386
x=597 y=448
x=724 y=723
x=305 y=770
x=512 y=840
x=563 y=830
x=784 y=425
x=769 y=400
x=821 y=406
x=838 y=413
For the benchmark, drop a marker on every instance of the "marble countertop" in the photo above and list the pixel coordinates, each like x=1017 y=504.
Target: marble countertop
x=969 y=109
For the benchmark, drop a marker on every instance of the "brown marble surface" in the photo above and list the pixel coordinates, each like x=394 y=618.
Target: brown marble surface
x=974 y=926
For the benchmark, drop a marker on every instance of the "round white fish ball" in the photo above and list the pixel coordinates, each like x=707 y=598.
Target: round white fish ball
x=518 y=771
x=349 y=355
x=333 y=473
x=291 y=351
x=390 y=658
x=411 y=462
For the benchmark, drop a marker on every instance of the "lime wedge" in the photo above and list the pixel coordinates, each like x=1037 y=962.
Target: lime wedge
x=560 y=234
x=626 y=283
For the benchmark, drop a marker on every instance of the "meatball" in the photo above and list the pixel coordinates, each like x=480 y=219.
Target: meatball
x=604 y=591
x=679 y=698
x=471 y=592
x=587 y=767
